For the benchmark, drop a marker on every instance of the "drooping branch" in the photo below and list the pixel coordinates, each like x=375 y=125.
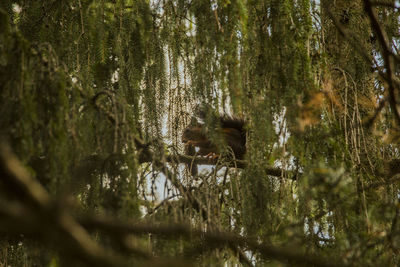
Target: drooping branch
x=146 y=155
x=210 y=237
x=40 y=214
x=387 y=57
x=48 y=219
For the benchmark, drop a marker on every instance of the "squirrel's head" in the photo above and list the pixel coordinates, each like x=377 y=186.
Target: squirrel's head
x=193 y=132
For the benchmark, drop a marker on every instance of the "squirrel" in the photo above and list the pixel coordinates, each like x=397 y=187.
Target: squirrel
x=232 y=131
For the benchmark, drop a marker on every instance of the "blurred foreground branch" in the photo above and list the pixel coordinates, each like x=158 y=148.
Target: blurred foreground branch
x=211 y=238
x=37 y=213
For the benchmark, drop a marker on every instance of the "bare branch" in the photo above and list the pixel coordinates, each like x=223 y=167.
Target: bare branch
x=147 y=156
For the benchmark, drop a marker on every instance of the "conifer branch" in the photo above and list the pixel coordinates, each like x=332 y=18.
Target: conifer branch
x=387 y=54
x=39 y=214
x=387 y=57
x=210 y=237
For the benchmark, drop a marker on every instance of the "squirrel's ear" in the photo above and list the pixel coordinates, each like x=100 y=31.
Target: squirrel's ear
x=193 y=122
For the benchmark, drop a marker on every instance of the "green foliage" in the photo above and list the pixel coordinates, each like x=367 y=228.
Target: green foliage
x=94 y=96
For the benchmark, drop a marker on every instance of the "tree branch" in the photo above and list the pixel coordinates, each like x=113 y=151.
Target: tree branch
x=386 y=52
x=387 y=56
x=212 y=238
x=43 y=217
x=146 y=155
